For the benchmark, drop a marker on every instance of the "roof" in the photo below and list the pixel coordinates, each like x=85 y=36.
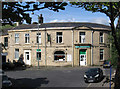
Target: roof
x=62 y=24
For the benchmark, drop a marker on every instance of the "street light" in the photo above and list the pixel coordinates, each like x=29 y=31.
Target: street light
x=40 y=21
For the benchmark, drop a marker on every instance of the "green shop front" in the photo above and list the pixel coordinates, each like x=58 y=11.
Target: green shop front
x=82 y=54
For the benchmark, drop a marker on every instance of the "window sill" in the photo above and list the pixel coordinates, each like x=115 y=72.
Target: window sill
x=101 y=60
x=37 y=43
x=59 y=43
x=59 y=61
x=39 y=60
x=17 y=43
x=27 y=43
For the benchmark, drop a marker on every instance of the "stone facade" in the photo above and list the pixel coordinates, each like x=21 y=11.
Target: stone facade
x=70 y=45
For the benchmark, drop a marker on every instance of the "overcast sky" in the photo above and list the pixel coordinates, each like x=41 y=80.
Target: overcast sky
x=71 y=14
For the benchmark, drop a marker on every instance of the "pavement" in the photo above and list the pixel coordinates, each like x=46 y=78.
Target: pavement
x=54 y=77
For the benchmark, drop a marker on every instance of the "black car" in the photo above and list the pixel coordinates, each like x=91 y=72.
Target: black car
x=93 y=75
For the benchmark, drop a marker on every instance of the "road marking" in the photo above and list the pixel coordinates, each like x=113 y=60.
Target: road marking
x=88 y=86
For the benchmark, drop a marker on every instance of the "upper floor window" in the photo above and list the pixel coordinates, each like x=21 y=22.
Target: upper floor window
x=101 y=37
x=16 y=53
x=27 y=38
x=6 y=41
x=38 y=37
x=16 y=38
x=101 y=54
x=82 y=37
x=59 y=37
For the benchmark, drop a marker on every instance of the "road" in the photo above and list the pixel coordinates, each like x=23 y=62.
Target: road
x=53 y=77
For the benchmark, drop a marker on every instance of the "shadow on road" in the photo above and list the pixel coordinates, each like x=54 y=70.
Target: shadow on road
x=28 y=83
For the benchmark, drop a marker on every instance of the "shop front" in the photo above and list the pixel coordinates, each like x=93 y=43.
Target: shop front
x=82 y=54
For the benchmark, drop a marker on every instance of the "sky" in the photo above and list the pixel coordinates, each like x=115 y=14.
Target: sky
x=71 y=14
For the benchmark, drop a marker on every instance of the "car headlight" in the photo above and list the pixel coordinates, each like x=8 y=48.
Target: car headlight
x=97 y=75
x=85 y=76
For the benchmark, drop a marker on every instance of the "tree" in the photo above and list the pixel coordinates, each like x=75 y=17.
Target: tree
x=18 y=11
x=112 y=10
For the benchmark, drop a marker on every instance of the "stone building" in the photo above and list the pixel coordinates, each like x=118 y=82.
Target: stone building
x=59 y=44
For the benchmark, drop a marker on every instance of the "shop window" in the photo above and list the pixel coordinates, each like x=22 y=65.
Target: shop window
x=16 y=53
x=38 y=55
x=59 y=56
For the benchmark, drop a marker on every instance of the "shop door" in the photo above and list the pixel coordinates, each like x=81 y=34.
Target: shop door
x=82 y=58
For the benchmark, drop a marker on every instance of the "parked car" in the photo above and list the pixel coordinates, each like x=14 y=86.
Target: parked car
x=106 y=64
x=93 y=75
x=6 y=83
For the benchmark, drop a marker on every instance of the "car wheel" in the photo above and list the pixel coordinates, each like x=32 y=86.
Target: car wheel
x=86 y=81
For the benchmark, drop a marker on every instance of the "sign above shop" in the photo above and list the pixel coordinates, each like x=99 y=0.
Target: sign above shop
x=82 y=46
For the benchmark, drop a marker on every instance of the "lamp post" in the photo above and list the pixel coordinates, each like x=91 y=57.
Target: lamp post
x=40 y=21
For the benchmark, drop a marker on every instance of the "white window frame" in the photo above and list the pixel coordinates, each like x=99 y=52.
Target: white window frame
x=38 y=39
x=58 y=37
x=81 y=37
x=101 y=52
x=101 y=37
x=16 y=53
x=27 y=38
x=16 y=37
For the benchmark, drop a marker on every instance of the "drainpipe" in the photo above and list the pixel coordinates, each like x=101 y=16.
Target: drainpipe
x=72 y=47
x=45 y=48
x=92 y=48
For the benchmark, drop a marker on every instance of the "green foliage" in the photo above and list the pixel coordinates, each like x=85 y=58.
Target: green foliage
x=6 y=27
x=18 y=11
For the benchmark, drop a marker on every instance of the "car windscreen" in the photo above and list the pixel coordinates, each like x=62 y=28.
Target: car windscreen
x=92 y=71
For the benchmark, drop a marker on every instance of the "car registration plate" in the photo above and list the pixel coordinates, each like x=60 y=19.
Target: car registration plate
x=90 y=81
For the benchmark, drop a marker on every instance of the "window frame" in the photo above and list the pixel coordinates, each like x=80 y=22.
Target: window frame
x=27 y=38
x=17 y=54
x=56 y=54
x=16 y=37
x=80 y=37
x=38 y=38
x=58 y=37
x=102 y=53
x=37 y=55
x=6 y=42
x=101 y=38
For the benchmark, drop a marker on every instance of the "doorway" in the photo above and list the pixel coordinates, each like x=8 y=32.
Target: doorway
x=82 y=58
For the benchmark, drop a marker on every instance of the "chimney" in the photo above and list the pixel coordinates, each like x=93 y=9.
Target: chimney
x=40 y=18
x=17 y=24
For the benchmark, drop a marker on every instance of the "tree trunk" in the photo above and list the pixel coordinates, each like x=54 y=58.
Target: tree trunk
x=117 y=75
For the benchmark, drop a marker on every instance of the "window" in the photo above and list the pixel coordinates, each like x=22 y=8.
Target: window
x=38 y=37
x=82 y=37
x=16 y=53
x=59 y=56
x=59 y=37
x=101 y=54
x=38 y=55
x=16 y=38
x=101 y=37
x=27 y=38
x=6 y=41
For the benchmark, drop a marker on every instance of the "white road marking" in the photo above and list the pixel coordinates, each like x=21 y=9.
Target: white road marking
x=88 y=86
